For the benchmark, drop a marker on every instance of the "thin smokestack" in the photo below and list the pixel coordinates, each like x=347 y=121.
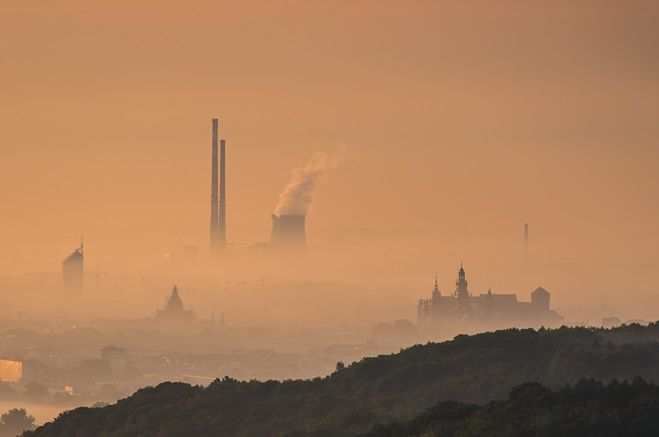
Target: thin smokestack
x=526 y=241
x=214 y=237
x=223 y=200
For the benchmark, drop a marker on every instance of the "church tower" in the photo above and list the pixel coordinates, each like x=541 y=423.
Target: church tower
x=461 y=291
x=436 y=297
x=435 y=293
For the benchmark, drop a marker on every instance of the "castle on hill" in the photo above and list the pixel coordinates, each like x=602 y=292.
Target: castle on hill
x=489 y=310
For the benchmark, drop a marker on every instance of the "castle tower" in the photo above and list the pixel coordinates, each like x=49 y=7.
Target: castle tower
x=436 y=297
x=540 y=299
x=461 y=291
x=435 y=291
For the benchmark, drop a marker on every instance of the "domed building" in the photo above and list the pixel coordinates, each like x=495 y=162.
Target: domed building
x=174 y=311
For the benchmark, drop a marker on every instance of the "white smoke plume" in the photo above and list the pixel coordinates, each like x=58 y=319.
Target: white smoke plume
x=298 y=194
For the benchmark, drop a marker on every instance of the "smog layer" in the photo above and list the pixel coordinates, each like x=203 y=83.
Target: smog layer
x=264 y=191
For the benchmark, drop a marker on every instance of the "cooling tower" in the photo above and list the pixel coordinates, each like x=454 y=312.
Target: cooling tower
x=288 y=230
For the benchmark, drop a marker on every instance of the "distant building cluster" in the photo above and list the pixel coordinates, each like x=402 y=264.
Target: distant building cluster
x=485 y=309
x=73 y=268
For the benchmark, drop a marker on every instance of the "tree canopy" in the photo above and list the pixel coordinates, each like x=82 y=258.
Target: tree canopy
x=588 y=408
x=14 y=422
x=470 y=369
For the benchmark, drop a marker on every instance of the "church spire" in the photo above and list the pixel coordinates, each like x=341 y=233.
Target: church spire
x=461 y=275
x=461 y=291
x=435 y=292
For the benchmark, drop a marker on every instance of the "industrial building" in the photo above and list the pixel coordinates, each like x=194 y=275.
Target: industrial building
x=73 y=268
x=289 y=231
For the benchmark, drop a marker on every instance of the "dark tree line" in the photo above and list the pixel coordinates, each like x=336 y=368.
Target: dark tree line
x=588 y=408
x=469 y=369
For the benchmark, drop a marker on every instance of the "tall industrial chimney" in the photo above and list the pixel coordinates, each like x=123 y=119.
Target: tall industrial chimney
x=223 y=200
x=526 y=241
x=215 y=231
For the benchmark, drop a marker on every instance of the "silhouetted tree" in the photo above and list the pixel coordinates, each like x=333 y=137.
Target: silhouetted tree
x=15 y=421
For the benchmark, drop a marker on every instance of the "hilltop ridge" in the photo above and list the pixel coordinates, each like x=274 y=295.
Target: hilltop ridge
x=475 y=369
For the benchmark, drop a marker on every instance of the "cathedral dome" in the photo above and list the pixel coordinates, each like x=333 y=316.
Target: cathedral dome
x=174 y=303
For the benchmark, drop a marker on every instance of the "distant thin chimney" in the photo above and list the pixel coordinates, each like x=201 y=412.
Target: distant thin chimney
x=526 y=241
x=215 y=234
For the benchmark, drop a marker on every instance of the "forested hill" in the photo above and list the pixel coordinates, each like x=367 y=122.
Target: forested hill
x=587 y=409
x=474 y=369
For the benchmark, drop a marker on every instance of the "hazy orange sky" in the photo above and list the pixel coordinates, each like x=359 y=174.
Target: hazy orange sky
x=462 y=121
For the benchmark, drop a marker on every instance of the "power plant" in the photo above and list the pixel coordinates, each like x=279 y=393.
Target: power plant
x=288 y=230
x=288 y=221
x=218 y=235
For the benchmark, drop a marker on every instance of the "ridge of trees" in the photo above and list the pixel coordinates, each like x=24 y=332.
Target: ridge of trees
x=473 y=369
x=587 y=408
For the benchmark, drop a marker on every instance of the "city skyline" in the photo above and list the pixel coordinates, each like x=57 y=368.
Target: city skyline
x=225 y=218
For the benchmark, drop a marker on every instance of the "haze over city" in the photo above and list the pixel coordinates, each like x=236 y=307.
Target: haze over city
x=351 y=157
x=461 y=121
